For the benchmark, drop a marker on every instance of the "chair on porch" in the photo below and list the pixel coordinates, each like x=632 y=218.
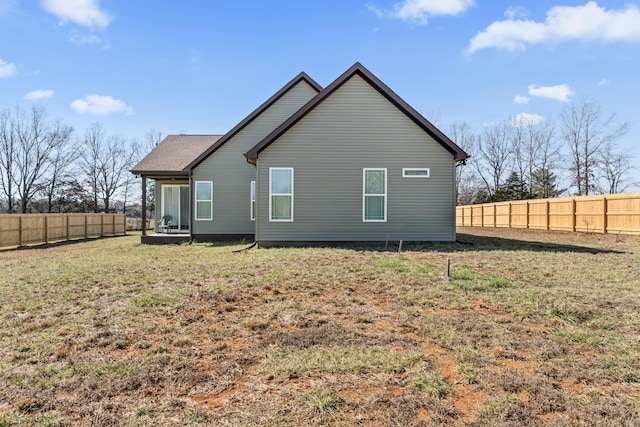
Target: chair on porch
x=166 y=223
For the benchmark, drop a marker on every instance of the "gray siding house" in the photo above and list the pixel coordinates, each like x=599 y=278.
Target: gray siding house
x=355 y=164
x=349 y=163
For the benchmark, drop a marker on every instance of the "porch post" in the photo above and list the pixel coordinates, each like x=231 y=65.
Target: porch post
x=144 y=205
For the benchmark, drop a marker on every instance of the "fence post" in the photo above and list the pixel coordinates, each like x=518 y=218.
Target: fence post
x=495 y=215
x=509 y=214
x=547 y=216
x=86 y=226
x=604 y=214
x=527 y=216
x=20 y=232
x=67 y=225
x=46 y=229
x=481 y=215
x=573 y=215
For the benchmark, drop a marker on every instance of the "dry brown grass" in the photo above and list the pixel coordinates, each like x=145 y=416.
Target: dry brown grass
x=532 y=328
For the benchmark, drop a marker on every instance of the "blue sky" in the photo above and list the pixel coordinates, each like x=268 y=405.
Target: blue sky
x=202 y=66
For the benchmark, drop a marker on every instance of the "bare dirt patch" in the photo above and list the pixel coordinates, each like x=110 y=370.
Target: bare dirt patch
x=532 y=328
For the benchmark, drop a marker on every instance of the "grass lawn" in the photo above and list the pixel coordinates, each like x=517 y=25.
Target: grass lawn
x=531 y=328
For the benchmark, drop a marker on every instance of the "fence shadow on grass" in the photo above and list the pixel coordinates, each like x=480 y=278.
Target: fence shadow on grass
x=60 y=243
x=469 y=242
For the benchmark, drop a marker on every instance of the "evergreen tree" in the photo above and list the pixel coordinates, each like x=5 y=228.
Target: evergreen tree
x=544 y=184
x=514 y=188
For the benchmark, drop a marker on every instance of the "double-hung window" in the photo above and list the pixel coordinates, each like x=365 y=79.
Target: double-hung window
x=374 y=195
x=281 y=194
x=204 y=200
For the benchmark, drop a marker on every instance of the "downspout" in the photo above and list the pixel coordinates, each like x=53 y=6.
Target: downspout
x=455 y=199
x=256 y=226
x=256 y=213
x=191 y=206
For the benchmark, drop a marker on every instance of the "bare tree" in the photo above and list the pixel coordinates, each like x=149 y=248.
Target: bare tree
x=7 y=156
x=29 y=144
x=547 y=154
x=615 y=169
x=105 y=161
x=140 y=148
x=587 y=131
x=466 y=186
x=59 y=173
x=89 y=151
x=522 y=148
x=495 y=156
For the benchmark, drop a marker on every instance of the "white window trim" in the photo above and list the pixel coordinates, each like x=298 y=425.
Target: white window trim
x=364 y=194
x=210 y=200
x=280 y=194
x=405 y=170
x=252 y=201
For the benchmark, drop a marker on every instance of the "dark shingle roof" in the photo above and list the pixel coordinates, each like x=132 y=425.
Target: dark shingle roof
x=173 y=155
x=384 y=90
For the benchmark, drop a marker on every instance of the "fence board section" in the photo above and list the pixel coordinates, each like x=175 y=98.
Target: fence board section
x=610 y=213
x=30 y=229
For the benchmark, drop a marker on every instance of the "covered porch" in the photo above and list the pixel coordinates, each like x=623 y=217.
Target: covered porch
x=168 y=167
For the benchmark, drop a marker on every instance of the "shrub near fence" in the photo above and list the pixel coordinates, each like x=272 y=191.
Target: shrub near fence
x=610 y=213
x=29 y=229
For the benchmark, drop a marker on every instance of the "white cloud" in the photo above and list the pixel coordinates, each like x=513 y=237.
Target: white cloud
x=81 y=39
x=86 y=13
x=100 y=105
x=604 y=82
x=563 y=23
x=7 y=69
x=516 y=12
x=559 y=92
x=421 y=10
x=86 y=39
x=526 y=119
x=39 y=94
x=518 y=99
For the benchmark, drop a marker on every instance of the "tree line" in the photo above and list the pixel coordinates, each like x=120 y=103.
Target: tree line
x=521 y=158
x=46 y=166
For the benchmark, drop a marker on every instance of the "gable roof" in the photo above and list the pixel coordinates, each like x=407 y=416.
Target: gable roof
x=173 y=154
x=302 y=77
x=384 y=90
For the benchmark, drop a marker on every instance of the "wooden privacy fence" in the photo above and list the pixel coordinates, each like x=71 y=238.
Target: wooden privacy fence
x=610 y=213
x=29 y=229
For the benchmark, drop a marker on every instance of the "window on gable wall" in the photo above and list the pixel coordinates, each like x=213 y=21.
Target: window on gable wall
x=281 y=194
x=374 y=195
x=415 y=172
x=204 y=200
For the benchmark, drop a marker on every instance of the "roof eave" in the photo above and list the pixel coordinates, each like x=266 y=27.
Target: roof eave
x=160 y=173
x=247 y=120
